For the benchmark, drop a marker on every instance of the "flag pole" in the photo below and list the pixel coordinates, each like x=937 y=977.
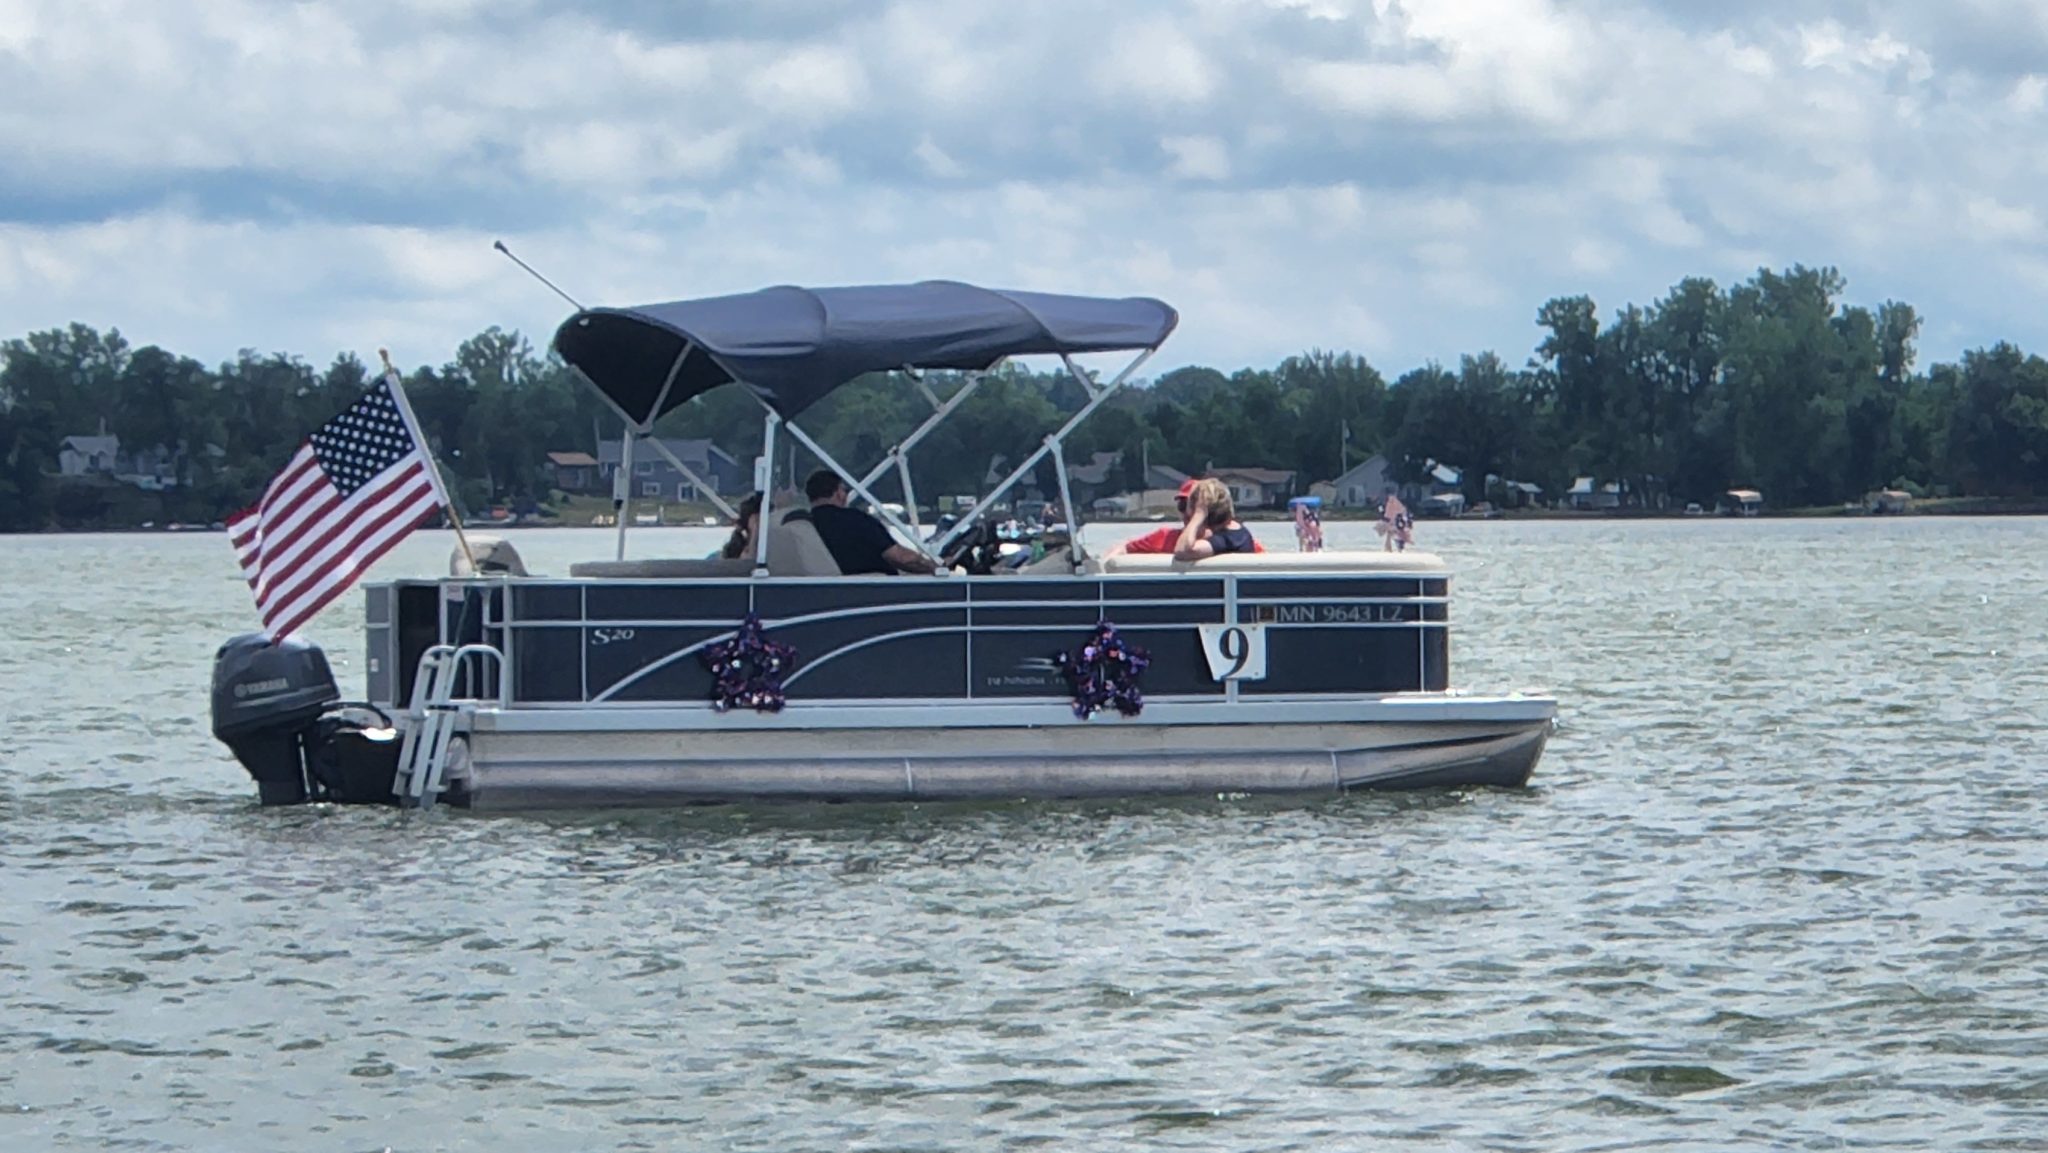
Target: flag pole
x=433 y=466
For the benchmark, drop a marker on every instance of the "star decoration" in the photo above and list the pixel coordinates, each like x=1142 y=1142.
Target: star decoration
x=748 y=669
x=1104 y=674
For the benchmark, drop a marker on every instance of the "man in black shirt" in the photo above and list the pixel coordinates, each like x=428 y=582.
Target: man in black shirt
x=859 y=542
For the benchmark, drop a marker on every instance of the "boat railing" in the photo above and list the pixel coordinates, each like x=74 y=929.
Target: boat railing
x=1362 y=562
x=438 y=709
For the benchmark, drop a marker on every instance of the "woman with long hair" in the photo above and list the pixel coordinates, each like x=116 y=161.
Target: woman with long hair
x=741 y=542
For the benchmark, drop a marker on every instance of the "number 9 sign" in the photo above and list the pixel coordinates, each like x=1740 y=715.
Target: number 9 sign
x=1235 y=652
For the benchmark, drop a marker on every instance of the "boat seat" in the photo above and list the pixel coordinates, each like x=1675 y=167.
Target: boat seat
x=1329 y=560
x=796 y=550
x=1056 y=562
x=656 y=568
x=495 y=556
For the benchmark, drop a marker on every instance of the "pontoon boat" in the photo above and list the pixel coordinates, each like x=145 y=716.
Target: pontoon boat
x=636 y=681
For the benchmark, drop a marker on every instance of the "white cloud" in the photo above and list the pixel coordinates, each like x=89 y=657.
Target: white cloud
x=935 y=160
x=1996 y=221
x=811 y=84
x=1405 y=178
x=1594 y=255
x=17 y=24
x=1154 y=61
x=1197 y=157
x=810 y=166
x=2029 y=94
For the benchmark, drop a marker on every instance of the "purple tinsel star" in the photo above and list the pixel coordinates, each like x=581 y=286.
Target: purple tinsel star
x=1104 y=674
x=748 y=669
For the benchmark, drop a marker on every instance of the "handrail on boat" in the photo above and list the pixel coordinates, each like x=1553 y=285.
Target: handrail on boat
x=432 y=712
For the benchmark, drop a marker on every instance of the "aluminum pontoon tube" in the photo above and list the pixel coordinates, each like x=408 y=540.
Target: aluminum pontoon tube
x=532 y=780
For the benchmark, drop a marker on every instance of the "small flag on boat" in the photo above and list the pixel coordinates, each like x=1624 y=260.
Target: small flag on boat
x=353 y=490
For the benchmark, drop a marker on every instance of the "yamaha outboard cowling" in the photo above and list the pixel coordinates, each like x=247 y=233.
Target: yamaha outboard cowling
x=267 y=698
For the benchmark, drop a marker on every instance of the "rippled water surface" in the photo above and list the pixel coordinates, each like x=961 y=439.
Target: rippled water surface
x=1779 y=883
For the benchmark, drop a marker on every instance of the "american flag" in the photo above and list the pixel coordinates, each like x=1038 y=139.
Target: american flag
x=351 y=492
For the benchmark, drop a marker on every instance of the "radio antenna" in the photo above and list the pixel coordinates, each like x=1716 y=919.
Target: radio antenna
x=500 y=246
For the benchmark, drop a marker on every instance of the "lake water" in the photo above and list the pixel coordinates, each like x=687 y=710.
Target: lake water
x=1778 y=884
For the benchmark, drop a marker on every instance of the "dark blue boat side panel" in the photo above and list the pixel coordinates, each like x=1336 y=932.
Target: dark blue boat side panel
x=1340 y=660
x=1178 y=666
x=547 y=602
x=643 y=641
x=642 y=662
x=623 y=602
x=899 y=665
x=1168 y=589
x=1003 y=589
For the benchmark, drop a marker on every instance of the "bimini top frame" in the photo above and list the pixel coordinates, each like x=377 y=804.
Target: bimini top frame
x=791 y=347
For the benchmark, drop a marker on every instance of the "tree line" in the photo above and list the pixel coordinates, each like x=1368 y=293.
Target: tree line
x=1772 y=383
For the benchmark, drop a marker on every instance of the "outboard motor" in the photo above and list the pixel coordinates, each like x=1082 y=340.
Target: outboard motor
x=274 y=706
x=267 y=699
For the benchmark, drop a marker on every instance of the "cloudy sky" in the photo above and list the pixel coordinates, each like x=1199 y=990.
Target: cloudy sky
x=1409 y=179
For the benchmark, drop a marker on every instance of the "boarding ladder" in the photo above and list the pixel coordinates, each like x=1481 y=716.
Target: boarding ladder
x=437 y=714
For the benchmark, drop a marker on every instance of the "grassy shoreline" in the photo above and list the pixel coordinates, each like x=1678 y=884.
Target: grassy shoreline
x=585 y=512
x=1932 y=506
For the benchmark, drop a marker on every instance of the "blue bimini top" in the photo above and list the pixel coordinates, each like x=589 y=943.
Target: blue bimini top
x=793 y=346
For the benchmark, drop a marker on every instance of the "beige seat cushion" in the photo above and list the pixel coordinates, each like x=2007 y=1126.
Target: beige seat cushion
x=796 y=549
x=1356 y=560
x=657 y=568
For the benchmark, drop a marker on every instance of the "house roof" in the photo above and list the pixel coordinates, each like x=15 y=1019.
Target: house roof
x=1255 y=475
x=571 y=459
x=1164 y=476
x=1357 y=471
x=1581 y=487
x=1096 y=471
x=695 y=452
x=1445 y=474
x=93 y=445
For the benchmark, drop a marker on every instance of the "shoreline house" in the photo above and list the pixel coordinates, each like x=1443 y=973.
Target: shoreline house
x=1164 y=476
x=1257 y=487
x=150 y=469
x=1095 y=480
x=1505 y=493
x=576 y=472
x=1438 y=479
x=1162 y=484
x=654 y=478
x=1740 y=502
x=1363 y=485
x=1587 y=493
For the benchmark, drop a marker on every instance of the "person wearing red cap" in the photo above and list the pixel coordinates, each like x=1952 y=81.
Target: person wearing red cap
x=1163 y=539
